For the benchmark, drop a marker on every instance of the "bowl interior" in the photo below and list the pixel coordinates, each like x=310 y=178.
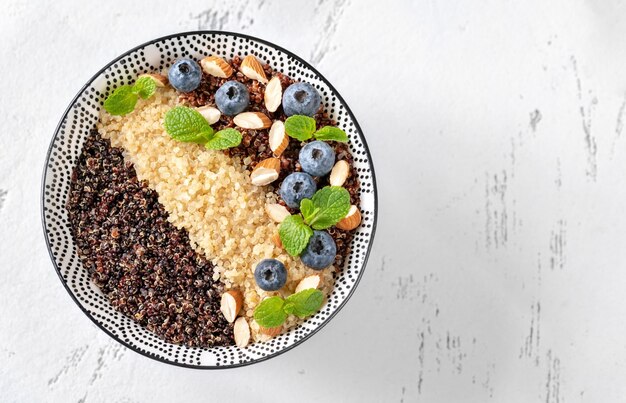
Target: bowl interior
x=82 y=115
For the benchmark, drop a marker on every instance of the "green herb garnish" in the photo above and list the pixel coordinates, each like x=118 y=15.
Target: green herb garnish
x=273 y=311
x=328 y=133
x=294 y=234
x=306 y=302
x=123 y=100
x=326 y=208
x=225 y=138
x=300 y=127
x=303 y=128
x=270 y=312
x=189 y=126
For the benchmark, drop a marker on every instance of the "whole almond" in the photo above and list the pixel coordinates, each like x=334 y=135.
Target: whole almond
x=159 y=80
x=350 y=221
x=277 y=212
x=241 y=331
x=265 y=172
x=210 y=113
x=271 y=331
x=216 y=66
x=251 y=68
x=278 y=139
x=312 y=281
x=252 y=120
x=231 y=304
x=273 y=94
x=340 y=173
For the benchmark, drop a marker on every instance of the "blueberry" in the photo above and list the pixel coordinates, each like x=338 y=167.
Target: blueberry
x=297 y=186
x=185 y=75
x=320 y=252
x=270 y=274
x=232 y=98
x=301 y=99
x=317 y=158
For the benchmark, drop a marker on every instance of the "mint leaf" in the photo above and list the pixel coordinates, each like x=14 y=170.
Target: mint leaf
x=225 y=138
x=187 y=125
x=145 y=87
x=270 y=313
x=122 y=101
x=306 y=302
x=329 y=133
x=294 y=234
x=289 y=307
x=307 y=209
x=331 y=204
x=300 y=127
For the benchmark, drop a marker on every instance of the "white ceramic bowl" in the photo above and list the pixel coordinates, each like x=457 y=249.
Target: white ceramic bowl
x=82 y=115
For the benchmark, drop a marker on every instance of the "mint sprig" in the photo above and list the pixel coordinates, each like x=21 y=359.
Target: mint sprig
x=225 y=138
x=326 y=208
x=303 y=128
x=306 y=302
x=294 y=234
x=189 y=126
x=273 y=311
x=300 y=127
x=124 y=99
x=270 y=312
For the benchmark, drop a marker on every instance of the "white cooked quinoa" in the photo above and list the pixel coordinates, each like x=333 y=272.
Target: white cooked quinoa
x=210 y=195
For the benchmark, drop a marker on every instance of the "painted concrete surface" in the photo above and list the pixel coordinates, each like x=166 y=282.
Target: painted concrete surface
x=498 y=271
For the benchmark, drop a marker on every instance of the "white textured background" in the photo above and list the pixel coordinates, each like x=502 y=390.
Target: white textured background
x=498 y=271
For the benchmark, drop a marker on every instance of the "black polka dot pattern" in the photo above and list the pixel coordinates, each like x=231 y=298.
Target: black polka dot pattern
x=82 y=115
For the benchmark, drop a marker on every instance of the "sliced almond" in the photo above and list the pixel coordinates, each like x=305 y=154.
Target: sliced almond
x=340 y=173
x=271 y=331
x=312 y=281
x=277 y=241
x=278 y=139
x=231 y=304
x=352 y=220
x=216 y=66
x=273 y=94
x=277 y=212
x=210 y=113
x=252 y=120
x=251 y=68
x=241 y=330
x=159 y=80
x=265 y=172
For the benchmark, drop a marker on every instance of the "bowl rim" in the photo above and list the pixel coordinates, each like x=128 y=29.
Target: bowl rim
x=135 y=348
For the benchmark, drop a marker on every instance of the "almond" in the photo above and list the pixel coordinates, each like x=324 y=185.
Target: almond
x=340 y=173
x=241 y=331
x=352 y=220
x=278 y=139
x=251 y=68
x=277 y=212
x=277 y=241
x=216 y=66
x=265 y=172
x=231 y=304
x=312 y=281
x=252 y=120
x=271 y=331
x=211 y=114
x=159 y=80
x=273 y=94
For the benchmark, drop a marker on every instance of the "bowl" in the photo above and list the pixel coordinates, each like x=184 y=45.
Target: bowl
x=82 y=114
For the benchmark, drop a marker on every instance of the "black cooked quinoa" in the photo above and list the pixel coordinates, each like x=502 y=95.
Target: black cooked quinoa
x=143 y=264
